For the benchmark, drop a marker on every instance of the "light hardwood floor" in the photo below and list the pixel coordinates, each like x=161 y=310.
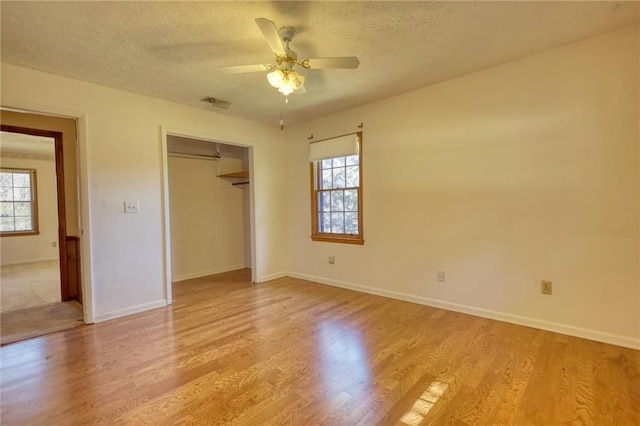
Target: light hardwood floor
x=292 y=352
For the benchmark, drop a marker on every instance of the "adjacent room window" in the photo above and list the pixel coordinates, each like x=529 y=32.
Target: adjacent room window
x=18 y=203
x=336 y=190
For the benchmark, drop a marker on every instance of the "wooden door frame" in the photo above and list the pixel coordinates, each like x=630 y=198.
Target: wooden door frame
x=62 y=218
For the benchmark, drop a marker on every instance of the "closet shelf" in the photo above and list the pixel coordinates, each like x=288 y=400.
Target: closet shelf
x=239 y=175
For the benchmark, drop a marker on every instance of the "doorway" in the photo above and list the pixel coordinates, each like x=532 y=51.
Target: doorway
x=40 y=288
x=208 y=195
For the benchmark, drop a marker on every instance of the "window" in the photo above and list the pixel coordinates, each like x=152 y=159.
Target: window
x=18 y=204
x=336 y=192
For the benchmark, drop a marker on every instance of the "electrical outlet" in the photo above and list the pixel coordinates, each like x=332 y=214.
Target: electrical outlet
x=132 y=207
x=546 y=287
x=441 y=276
x=332 y=260
x=54 y=244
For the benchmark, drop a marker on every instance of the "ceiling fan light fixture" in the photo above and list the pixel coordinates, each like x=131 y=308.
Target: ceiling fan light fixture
x=286 y=81
x=276 y=78
x=296 y=80
x=285 y=90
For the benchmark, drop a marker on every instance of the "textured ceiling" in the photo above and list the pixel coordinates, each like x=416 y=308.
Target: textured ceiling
x=173 y=50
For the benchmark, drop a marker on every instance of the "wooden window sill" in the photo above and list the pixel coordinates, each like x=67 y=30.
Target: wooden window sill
x=338 y=239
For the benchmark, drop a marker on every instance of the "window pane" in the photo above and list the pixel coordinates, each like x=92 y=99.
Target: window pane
x=6 y=209
x=351 y=223
x=22 y=209
x=22 y=194
x=23 y=224
x=339 y=178
x=339 y=162
x=337 y=223
x=22 y=180
x=353 y=176
x=326 y=179
x=6 y=180
x=337 y=201
x=6 y=224
x=324 y=201
x=6 y=194
x=351 y=200
x=324 y=222
x=325 y=164
x=353 y=160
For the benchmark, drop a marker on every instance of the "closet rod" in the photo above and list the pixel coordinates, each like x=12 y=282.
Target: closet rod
x=198 y=156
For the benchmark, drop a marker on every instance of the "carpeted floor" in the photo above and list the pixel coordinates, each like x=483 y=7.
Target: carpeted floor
x=29 y=284
x=30 y=303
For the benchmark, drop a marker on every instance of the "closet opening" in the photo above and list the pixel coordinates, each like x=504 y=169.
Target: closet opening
x=208 y=186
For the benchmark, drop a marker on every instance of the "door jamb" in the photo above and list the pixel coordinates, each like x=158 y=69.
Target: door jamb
x=84 y=195
x=62 y=218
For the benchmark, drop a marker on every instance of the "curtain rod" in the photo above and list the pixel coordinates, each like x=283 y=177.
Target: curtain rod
x=333 y=137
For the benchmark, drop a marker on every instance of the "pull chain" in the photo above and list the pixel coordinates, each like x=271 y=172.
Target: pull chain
x=281 y=120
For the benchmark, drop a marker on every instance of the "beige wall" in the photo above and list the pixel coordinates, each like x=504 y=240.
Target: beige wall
x=120 y=150
x=502 y=178
x=69 y=137
x=34 y=248
x=208 y=233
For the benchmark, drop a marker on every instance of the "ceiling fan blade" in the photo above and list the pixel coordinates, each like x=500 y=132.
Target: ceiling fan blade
x=300 y=91
x=351 y=62
x=238 y=69
x=270 y=32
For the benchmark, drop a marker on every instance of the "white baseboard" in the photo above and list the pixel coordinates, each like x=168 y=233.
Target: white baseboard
x=270 y=277
x=129 y=311
x=27 y=261
x=614 y=339
x=205 y=273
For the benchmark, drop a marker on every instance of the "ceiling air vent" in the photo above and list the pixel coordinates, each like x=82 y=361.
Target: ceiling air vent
x=218 y=103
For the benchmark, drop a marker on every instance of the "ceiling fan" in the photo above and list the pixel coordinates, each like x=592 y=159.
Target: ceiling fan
x=283 y=76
